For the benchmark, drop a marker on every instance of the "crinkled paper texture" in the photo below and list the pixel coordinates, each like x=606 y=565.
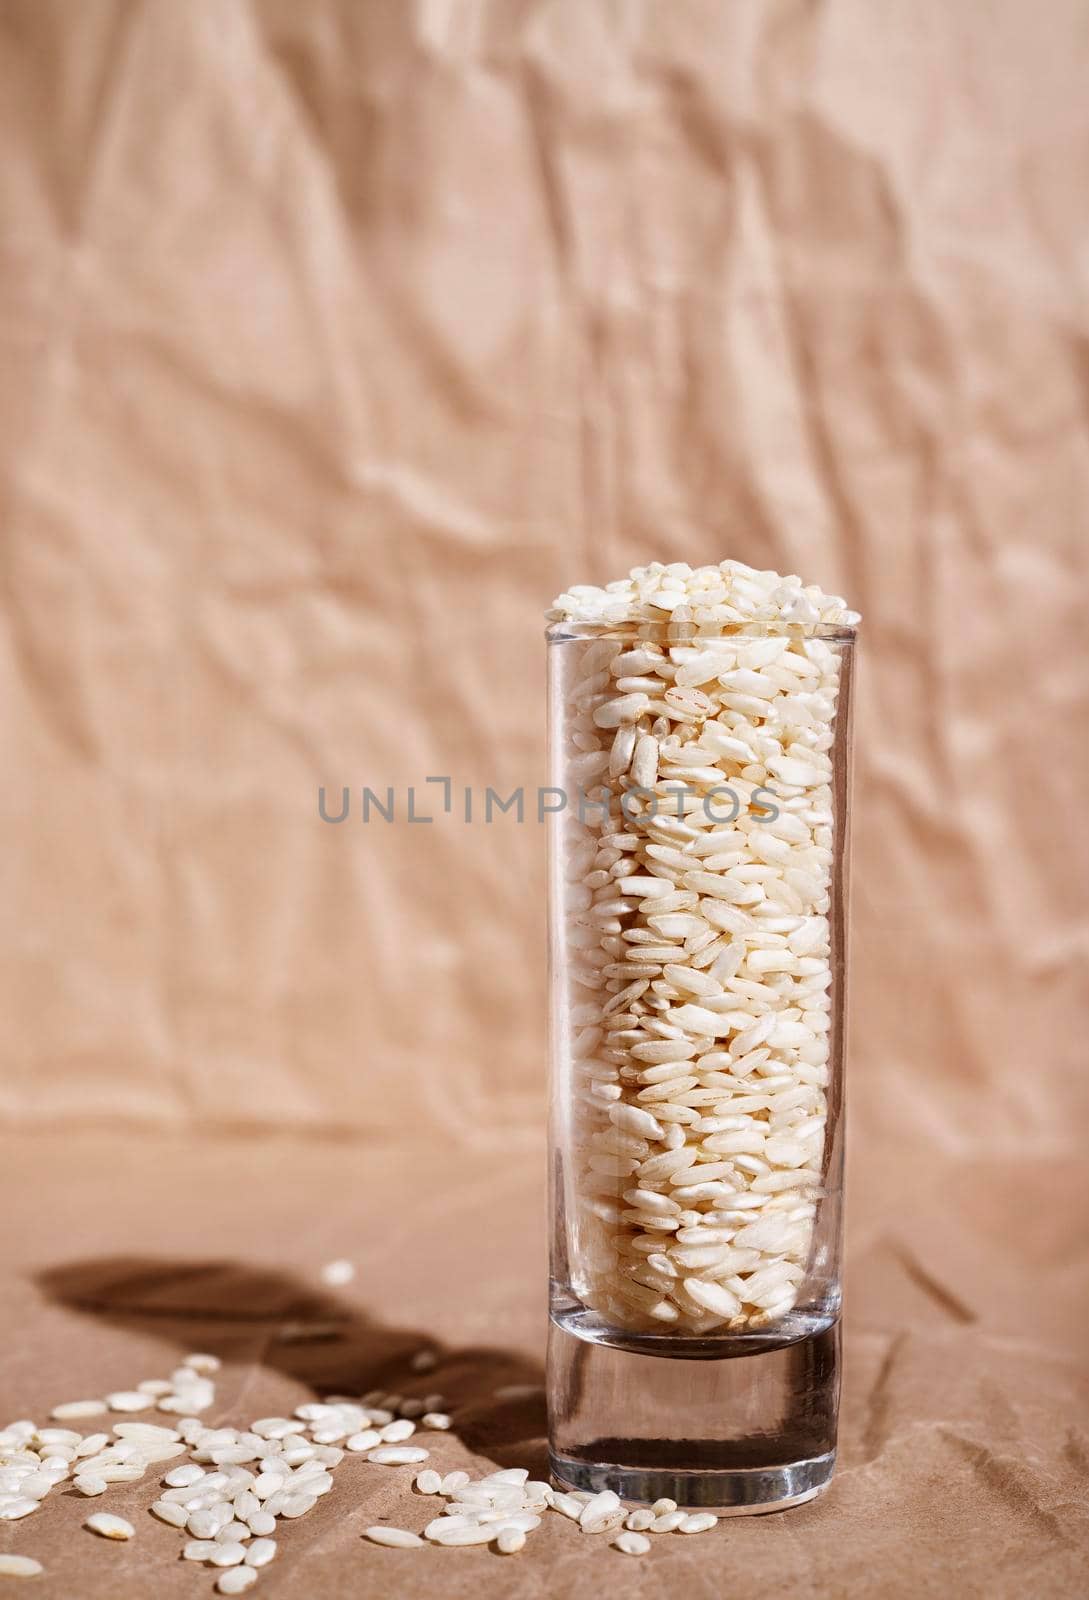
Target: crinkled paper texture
x=335 y=339
x=963 y=1455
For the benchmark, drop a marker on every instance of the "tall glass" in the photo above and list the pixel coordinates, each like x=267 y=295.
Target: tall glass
x=698 y=984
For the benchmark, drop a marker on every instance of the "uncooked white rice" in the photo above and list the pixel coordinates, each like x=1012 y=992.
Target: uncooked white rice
x=14 y=1566
x=632 y=1543
x=109 y=1526
x=395 y=1538
x=226 y=1500
x=701 y=958
x=236 y=1581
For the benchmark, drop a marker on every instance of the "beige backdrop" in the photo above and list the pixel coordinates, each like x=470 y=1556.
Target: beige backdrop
x=337 y=337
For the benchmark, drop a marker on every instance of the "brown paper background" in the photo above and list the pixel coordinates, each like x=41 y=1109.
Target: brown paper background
x=334 y=340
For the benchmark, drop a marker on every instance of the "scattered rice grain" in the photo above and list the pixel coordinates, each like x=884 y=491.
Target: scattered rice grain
x=13 y=1566
x=109 y=1527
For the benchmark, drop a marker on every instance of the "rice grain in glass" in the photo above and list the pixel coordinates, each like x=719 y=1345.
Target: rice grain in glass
x=698 y=956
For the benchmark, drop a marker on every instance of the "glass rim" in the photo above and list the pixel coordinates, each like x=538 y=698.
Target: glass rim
x=682 y=633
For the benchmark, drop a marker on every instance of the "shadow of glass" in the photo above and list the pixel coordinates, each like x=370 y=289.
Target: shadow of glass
x=255 y=1315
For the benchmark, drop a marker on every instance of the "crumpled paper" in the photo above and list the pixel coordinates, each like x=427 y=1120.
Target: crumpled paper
x=963 y=1454
x=339 y=338
x=336 y=340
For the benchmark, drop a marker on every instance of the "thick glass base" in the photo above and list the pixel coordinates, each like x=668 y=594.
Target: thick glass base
x=747 y=1430
x=731 y=1494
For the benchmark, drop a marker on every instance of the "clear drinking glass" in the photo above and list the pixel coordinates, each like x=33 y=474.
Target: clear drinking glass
x=696 y=1154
